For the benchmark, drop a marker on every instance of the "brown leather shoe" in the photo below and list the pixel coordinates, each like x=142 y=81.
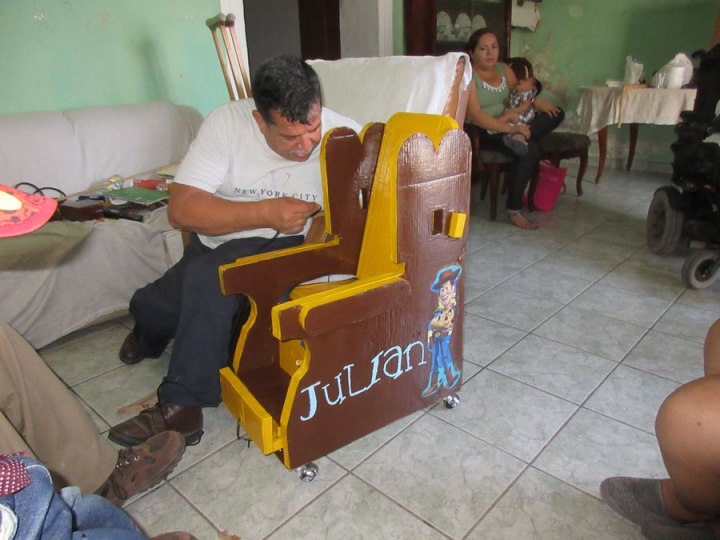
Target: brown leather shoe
x=157 y=419
x=140 y=467
x=175 y=535
x=130 y=352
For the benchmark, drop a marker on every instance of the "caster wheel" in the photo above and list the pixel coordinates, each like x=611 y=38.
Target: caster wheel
x=308 y=472
x=452 y=401
x=664 y=221
x=701 y=269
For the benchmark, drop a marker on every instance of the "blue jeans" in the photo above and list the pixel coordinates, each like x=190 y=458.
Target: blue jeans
x=43 y=513
x=186 y=303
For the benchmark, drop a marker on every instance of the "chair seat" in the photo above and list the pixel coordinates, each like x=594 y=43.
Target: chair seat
x=495 y=156
x=562 y=143
x=557 y=146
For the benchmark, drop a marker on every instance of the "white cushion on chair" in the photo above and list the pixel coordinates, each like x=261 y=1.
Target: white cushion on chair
x=373 y=89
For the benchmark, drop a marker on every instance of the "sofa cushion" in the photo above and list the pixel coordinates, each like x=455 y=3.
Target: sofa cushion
x=72 y=150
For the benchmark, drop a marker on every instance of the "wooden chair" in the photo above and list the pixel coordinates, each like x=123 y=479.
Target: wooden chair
x=557 y=145
x=493 y=166
x=337 y=361
x=490 y=166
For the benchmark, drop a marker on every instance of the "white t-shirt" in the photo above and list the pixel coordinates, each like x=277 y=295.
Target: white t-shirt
x=231 y=159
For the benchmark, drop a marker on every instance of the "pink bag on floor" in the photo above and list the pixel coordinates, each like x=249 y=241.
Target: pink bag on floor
x=551 y=180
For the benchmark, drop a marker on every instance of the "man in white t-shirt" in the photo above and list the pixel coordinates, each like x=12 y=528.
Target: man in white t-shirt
x=249 y=184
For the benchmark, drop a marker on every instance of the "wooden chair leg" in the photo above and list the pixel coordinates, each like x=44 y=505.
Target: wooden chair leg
x=494 y=180
x=484 y=181
x=581 y=172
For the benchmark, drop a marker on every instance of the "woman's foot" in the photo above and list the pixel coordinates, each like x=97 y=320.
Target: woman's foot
x=517 y=219
x=516 y=142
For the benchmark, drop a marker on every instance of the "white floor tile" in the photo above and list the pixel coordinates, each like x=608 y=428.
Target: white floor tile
x=573 y=335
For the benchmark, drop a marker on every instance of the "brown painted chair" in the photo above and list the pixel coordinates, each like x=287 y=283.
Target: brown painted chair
x=337 y=361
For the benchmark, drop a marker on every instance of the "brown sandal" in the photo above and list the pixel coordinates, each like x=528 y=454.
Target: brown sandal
x=517 y=219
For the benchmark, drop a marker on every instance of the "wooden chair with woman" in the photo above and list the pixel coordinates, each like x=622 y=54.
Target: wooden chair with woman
x=557 y=145
x=492 y=83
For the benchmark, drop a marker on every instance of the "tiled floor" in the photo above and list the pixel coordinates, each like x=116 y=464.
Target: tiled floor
x=574 y=334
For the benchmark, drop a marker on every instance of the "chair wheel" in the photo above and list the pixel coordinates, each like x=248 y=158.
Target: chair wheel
x=308 y=472
x=664 y=221
x=452 y=401
x=701 y=269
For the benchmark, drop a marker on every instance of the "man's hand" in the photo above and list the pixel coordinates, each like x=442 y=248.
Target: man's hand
x=198 y=211
x=288 y=215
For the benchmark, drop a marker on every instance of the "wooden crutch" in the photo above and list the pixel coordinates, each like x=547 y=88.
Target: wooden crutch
x=232 y=61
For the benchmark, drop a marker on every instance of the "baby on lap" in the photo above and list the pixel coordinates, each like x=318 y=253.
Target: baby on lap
x=522 y=97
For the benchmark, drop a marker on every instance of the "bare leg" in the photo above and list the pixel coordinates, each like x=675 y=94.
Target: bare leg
x=687 y=504
x=712 y=350
x=688 y=432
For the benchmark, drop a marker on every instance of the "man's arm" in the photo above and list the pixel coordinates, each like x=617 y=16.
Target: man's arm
x=198 y=211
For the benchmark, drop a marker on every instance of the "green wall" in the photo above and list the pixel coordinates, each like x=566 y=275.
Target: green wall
x=585 y=42
x=57 y=54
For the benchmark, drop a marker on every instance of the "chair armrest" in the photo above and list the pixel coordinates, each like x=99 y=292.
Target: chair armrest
x=282 y=268
x=345 y=305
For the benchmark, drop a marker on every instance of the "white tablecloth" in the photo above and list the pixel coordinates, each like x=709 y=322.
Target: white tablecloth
x=600 y=107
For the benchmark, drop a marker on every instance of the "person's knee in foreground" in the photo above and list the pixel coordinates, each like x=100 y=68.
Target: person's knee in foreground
x=249 y=183
x=41 y=418
x=687 y=504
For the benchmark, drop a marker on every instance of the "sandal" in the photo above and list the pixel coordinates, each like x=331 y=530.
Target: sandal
x=517 y=219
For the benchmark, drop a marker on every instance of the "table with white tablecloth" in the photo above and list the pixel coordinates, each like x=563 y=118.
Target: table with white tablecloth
x=633 y=105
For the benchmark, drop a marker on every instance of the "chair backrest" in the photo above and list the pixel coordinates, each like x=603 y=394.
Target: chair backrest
x=231 y=55
x=379 y=252
x=348 y=170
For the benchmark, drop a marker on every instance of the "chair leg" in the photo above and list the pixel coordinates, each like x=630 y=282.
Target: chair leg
x=494 y=180
x=581 y=172
x=484 y=181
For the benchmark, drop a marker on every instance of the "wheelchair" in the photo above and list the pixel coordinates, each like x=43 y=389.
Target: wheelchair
x=687 y=213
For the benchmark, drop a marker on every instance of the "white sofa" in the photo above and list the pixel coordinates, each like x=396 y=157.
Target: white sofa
x=67 y=275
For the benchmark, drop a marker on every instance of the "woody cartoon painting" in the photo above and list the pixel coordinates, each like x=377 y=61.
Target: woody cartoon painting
x=443 y=373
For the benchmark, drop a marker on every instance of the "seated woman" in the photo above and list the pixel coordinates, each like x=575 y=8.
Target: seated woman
x=491 y=85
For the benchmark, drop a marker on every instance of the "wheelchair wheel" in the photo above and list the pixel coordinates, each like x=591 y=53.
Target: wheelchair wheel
x=701 y=269
x=664 y=221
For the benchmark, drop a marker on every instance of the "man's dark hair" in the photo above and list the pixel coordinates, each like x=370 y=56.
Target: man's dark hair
x=288 y=85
